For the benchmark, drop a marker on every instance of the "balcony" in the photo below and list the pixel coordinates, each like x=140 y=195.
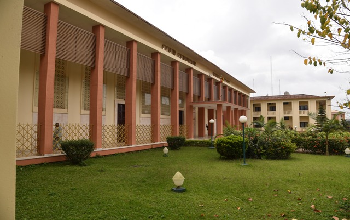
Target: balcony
x=256 y=113
x=287 y=112
x=271 y=112
x=303 y=112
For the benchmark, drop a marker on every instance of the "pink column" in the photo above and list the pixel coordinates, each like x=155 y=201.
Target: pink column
x=219 y=123
x=130 y=94
x=155 y=98
x=47 y=80
x=175 y=100
x=96 y=88
x=189 y=106
x=211 y=88
x=226 y=93
x=201 y=110
x=218 y=84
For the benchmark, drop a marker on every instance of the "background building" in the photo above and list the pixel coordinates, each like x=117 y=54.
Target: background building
x=294 y=109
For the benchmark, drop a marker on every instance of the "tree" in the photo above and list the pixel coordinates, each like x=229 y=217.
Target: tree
x=328 y=23
x=321 y=117
x=330 y=126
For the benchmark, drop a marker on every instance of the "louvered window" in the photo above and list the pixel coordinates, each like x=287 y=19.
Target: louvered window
x=86 y=89
x=167 y=75
x=33 y=30
x=61 y=85
x=116 y=58
x=196 y=86
x=183 y=82
x=75 y=44
x=182 y=96
x=207 y=90
x=145 y=68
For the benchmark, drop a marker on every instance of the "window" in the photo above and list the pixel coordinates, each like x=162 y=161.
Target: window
x=273 y=108
x=146 y=97
x=285 y=103
x=286 y=118
x=61 y=85
x=181 y=99
x=165 y=101
x=257 y=109
x=86 y=88
x=303 y=124
x=120 y=87
x=303 y=107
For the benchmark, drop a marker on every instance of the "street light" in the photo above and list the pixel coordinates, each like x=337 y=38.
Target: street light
x=295 y=127
x=165 y=151
x=211 y=121
x=243 y=119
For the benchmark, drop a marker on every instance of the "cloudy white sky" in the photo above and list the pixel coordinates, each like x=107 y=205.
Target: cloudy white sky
x=241 y=38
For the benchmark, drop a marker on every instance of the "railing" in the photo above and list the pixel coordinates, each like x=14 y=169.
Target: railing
x=144 y=134
x=271 y=112
x=183 y=130
x=287 y=112
x=165 y=131
x=67 y=132
x=303 y=112
x=256 y=113
x=114 y=136
x=27 y=140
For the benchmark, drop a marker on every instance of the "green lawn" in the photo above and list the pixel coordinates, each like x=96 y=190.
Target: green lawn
x=138 y=186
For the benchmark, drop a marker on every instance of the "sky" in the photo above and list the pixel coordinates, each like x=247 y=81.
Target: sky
x=244 y=39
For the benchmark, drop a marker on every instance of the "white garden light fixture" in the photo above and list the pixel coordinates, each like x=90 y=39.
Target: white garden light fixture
x=178 y=180
x=347 y=152
x=165 y=151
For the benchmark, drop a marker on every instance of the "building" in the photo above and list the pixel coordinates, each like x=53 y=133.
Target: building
x=102 y=72
x=294 y=109
x=339 y=115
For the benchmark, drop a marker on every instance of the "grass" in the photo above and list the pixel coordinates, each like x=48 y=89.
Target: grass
x=138 y=186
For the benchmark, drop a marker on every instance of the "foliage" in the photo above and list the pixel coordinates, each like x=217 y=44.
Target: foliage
x=139 y=184
x=321 y=118
x=175 y=142
x=251 y=138
x=198 y=143
x=318 y=145
x=228 y=129
x=230 y=147
x=260 y=123
x=77 y=150
x=329 y=25
x=274 y=146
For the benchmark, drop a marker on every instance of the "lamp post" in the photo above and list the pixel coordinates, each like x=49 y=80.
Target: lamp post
x=243 y=119
x=295 y=128
x=211 y=121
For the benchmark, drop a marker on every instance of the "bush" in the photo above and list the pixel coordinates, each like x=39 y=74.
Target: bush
x=318 y=145
x=230 y=147
x=175 y=142
x=77 y=150
x=275 y=146
x=198 y=143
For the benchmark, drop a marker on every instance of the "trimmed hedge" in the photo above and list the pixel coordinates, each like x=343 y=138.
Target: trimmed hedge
x=77 y=150
x=230 y=147
x=175 y=142
x=198 y=143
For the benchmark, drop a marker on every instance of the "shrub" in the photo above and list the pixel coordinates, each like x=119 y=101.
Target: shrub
x=175 y=142
x=77 y=150
x=275 y=146
x=318 y=145
x=198 y=143
x=230 y=147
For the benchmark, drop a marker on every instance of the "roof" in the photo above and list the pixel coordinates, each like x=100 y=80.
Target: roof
x=289 y=97
x=191 y=52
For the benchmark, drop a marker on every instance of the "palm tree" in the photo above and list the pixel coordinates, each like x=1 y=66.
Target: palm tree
x=330 y=126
